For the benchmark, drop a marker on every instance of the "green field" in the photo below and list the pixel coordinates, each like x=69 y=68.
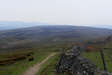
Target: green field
x=96 y=58
x=19 y=67
x=49 y=68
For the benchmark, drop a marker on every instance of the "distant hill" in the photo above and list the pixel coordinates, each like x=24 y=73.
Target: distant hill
x=44 y=35
x=103 y=26
x=8 y=25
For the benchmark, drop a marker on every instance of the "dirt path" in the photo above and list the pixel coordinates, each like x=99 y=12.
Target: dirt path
x=33 y=70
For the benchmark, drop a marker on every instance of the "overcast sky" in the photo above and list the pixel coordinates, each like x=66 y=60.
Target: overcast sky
x=77 y=12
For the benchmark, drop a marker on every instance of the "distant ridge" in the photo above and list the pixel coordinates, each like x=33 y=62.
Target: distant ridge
x=8 y=25
x=42 y=35
x=101 y=26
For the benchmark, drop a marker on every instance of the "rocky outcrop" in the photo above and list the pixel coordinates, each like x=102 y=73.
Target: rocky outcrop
x=73 y=63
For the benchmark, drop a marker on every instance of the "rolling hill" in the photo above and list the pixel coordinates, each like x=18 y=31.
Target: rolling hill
x=44 y=35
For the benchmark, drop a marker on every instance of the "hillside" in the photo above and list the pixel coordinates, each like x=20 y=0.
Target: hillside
x=42 y=35
x=96 y=57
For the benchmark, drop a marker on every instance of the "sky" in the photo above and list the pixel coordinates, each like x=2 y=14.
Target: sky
x=75 y=12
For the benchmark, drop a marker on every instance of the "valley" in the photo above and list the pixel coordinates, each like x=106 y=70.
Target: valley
x=22 y=48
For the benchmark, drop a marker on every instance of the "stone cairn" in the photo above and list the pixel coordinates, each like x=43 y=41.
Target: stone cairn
x=73 y=63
